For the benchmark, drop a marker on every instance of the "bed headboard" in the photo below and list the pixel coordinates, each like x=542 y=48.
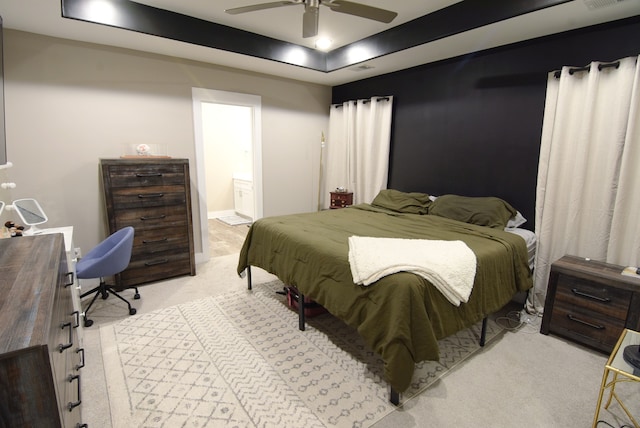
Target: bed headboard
x=471 y=125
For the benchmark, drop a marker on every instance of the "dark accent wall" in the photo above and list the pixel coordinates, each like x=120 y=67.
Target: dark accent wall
x=472 y=125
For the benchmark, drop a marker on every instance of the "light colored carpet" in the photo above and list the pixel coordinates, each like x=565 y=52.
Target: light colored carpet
x=521 y=378
x=238 y=359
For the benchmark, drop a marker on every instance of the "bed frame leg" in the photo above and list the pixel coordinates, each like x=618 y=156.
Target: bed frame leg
x=394 y=397
x=249 y=277
x=483 y=334
x=301 y=321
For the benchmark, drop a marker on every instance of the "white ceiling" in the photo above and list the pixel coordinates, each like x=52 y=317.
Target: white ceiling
x=285 y=23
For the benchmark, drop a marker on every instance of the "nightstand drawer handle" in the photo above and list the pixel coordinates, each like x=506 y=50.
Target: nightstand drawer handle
x=150 y=195
x=596 y=326
x=590 y=296
x=150 y=174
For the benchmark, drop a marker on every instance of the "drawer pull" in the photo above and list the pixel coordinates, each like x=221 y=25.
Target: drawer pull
x=62 y=346
x=156 y=262
x=81 y=365
x=578 y=320
x=590 y=296
x=77 y=315
x=156 y=217
x=150 y=195
x=145 y=241
x=69 y=276
x=148 y=174
x=71 y=405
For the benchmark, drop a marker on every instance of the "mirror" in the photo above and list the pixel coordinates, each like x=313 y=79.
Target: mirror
x=31 y=214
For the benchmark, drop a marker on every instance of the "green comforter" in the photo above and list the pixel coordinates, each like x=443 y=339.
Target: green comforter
x=402 y=315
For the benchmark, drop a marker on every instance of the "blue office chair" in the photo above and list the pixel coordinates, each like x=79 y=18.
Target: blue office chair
x=108 y=258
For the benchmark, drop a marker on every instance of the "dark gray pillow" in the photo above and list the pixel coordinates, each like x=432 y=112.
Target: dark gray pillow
x=483 y=211
x=402 y=202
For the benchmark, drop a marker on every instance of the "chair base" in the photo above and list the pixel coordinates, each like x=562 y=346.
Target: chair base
x=104 y=290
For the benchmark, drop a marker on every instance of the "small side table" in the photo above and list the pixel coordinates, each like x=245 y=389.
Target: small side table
x=619 y=367
x=341 y=199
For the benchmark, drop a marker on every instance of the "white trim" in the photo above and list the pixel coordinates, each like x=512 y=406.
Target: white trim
x=200 y=95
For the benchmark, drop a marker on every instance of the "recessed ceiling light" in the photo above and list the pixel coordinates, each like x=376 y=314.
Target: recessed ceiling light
x=323 y=43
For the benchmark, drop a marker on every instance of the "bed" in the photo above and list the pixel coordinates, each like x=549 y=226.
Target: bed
x=402 y=315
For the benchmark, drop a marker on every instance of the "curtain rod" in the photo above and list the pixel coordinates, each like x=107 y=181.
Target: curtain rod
x=602 y=66
x=364 y=101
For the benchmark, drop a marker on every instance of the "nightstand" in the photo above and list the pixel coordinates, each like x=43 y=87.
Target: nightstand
x=341 y=199
x=590 y=302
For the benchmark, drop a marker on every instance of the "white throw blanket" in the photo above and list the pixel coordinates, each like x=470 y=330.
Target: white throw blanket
x=449 y=265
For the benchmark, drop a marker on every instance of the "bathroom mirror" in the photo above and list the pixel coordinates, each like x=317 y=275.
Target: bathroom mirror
x=30 y=213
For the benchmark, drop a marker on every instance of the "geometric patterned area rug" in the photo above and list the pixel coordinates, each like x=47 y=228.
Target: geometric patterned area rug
x=239 y=360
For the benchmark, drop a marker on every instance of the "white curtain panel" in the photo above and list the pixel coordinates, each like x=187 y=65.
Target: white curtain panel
x=357 y=150
x=588 y=171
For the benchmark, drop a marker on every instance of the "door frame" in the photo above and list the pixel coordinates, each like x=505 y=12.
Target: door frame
x=204 y=95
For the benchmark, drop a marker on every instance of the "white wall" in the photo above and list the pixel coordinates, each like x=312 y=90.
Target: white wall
x=227 y=133
x=68 y=104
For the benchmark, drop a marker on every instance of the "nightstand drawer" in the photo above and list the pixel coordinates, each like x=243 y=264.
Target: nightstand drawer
x=585 y=326
x=607 y=301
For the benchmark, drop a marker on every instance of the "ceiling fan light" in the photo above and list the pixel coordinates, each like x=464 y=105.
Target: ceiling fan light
x=323 y=43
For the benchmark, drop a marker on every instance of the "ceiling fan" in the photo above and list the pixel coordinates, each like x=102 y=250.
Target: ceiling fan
x=311 y=12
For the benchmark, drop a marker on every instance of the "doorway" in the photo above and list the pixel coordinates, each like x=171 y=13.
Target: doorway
x=233 y=119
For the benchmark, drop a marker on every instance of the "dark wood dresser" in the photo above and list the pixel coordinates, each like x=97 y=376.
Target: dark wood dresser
x=590 y=302
x=40 y=360
x=153 y=196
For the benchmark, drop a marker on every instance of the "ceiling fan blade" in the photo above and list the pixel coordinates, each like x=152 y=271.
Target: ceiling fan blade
x=310 y=21
x=361 y=10
x=244 y=9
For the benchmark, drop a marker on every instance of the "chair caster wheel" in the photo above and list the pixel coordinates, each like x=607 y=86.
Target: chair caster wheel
x=132 y=311
x=104 y=295
x=88 y=323
x=136 y=296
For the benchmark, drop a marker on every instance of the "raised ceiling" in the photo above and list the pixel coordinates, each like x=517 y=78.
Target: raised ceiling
x=270 y=41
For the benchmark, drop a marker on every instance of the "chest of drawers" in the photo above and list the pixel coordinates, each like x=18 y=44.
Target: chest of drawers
x=590 y=302
x=341 y=199
x=40 y=359
x=153 y=196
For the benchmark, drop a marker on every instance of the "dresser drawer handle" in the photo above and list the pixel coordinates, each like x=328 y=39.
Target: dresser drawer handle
x=144 y=241
x=156 y=217
x=590 y=296
x=71 y=405
x=578 y=320
x=149 y=174
x=69 y=282
x=150 y=195
x=156 y=262
x=62 y=347
x=81 y=352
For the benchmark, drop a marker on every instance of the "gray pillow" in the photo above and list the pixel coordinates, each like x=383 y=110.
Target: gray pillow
x=402 y=202
x=484 y=211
